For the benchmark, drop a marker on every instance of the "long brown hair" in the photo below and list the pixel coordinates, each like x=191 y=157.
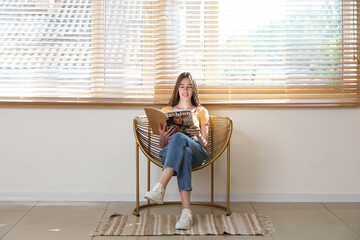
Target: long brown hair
x=175 y=98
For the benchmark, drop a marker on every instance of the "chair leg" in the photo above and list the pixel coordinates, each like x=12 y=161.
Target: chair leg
x=212 y=184
x=148 y=178
x=137 y=180
x=228 y=182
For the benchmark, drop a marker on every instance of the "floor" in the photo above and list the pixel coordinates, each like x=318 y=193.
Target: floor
x=76 y=220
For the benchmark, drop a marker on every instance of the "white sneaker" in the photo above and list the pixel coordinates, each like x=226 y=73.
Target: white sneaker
x=156 y=194
x=185 y=220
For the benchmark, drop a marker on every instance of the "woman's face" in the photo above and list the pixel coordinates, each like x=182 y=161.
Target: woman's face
x=185 y=89
x=178 y=119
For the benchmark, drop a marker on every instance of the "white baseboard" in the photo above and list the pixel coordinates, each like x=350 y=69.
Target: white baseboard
x=238 y=197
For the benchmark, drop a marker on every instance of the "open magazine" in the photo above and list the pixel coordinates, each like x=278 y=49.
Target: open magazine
x=180 y=119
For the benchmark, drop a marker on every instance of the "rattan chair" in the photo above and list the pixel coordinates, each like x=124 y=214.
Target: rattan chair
x=220 y=130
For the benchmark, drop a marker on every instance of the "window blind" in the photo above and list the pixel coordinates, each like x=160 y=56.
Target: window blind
x=267 y=53
x=286 y=52
x=45 y=50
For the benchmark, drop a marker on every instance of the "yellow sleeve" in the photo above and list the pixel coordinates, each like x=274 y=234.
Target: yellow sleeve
x=203 y=116
x=166 y=109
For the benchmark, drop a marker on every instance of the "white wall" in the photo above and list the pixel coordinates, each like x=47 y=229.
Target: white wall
x=89 y=154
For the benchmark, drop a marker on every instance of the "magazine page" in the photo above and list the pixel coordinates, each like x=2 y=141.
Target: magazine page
x=155 y=117
x=181 y=120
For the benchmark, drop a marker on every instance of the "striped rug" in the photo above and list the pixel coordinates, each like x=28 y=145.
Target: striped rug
x=155 y=225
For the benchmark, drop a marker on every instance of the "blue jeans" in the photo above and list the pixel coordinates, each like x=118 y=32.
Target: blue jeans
x=182 y=154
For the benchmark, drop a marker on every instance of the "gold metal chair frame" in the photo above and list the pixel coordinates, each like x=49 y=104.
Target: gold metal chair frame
x=220 y=130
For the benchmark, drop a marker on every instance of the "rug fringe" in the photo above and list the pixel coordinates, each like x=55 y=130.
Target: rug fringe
x=104 y=224
x=268 y=225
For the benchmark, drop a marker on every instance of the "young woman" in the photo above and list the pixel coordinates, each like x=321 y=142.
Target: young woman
x=181 y=153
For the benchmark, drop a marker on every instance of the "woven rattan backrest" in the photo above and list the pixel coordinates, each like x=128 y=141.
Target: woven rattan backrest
x=220 y=130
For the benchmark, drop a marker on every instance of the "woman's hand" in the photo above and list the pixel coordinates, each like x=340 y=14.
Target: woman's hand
x=194 y=131
x=165 y=134
x=200 y=133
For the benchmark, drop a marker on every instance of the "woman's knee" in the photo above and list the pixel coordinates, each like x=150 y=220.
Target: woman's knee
x=178 y=138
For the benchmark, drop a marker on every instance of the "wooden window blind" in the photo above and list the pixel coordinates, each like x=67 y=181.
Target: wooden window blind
x=251 y=53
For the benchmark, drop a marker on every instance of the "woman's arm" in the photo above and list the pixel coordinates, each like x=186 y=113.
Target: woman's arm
x=203 y=137
x=201 y=133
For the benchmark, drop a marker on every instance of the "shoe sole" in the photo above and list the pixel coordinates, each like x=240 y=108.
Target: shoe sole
x=191 y=223
x=150 y=198
x=183 y=228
